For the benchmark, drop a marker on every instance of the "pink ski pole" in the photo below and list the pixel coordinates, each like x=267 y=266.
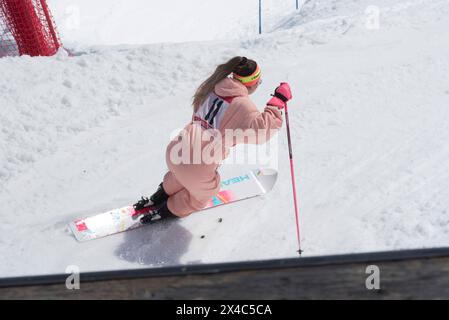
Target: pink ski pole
x=293 y=178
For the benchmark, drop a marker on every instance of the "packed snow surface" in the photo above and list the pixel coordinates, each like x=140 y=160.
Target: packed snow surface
x=83 y=134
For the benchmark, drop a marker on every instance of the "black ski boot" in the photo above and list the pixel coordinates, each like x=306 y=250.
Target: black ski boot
x=157 y=199
x=157 y=214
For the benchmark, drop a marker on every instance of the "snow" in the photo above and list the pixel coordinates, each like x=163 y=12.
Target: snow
x=370 y=127
x=104 y=22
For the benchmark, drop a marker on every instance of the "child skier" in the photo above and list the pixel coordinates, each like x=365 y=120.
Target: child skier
x=221 y=103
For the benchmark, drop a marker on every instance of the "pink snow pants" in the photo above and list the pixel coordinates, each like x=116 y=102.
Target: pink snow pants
x=189 y=186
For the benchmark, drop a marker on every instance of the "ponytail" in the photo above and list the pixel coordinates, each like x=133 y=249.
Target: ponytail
x=236 y=64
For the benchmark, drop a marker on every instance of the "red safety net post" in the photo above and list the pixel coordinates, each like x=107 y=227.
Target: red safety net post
x=27 y=27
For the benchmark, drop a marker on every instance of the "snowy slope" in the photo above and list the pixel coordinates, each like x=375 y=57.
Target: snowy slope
x=105 y=22
x=369 y=121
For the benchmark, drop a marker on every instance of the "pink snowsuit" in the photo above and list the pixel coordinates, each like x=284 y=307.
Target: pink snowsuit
x=191 y=185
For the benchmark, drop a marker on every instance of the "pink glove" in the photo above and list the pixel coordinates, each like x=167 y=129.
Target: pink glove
x=282 y=94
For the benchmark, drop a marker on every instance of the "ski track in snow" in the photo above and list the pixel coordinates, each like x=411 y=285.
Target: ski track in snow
x=370 y=124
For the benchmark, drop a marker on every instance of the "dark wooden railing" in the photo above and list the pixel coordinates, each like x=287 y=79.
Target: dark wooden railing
x=410 y=274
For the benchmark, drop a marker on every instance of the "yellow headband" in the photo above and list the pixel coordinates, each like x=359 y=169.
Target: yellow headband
x=250 y=80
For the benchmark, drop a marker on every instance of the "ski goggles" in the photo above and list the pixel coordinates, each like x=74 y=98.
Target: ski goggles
x=250 y=80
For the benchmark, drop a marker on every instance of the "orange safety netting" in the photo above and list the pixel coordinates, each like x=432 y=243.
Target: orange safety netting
x=27 y=27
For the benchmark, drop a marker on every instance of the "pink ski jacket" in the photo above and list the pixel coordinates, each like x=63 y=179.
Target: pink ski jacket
x=230 y=111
